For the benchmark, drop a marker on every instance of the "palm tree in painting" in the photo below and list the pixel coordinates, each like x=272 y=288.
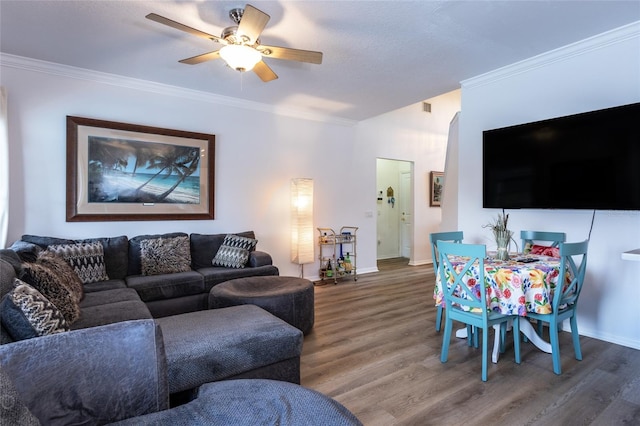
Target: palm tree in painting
x=105 y=156
x=182 y=161
x=143 y=155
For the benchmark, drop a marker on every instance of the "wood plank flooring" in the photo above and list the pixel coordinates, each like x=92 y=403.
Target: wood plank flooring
x=374 y=348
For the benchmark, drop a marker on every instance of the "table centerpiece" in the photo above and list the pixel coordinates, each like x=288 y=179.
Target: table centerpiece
x=502 y=235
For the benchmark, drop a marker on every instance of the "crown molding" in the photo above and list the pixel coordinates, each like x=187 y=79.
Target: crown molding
x=51 y=68
x=615 y=36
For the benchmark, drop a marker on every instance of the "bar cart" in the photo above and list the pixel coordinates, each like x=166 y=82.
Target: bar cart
x=337 y=253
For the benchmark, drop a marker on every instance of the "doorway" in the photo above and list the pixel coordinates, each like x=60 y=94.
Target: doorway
x=394 y=183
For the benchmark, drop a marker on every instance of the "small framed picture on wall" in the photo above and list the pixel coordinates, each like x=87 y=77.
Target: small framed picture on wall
x=436 y=183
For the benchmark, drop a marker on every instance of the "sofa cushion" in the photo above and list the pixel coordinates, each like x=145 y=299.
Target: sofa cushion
x=44 y=241
x=116 y=250
x=166 y=286
x=111 y=313
x=205 y=246
x=116 y=255
x=52 y=286
x=12 y=410
x=26 y=313
x=10 y=268
x=234 y=251
x=27 y=252
x=96 y=298
x=135 y=255
x=214 y=275
x=104 y=285
x=212 y=345
x=165 y=255
x=79 y=385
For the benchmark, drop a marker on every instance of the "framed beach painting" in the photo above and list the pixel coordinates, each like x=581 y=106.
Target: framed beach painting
x=437 y=185
x=122 y=172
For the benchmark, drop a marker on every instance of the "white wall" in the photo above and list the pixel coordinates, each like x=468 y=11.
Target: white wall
x=259 y=149
x=597 y=73
x=408 y=134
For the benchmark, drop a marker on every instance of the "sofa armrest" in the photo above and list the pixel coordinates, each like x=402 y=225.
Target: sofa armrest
x=259 y=258
x=91 y=376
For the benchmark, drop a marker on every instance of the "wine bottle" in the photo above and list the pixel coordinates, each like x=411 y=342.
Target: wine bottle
x=347 y=264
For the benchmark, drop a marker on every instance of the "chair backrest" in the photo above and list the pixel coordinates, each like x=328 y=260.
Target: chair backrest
x=529 y=237
x=456 y=291
x=573 y=261
x=452 y=236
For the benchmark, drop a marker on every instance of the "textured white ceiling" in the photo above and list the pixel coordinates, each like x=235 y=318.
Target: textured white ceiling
x=378 y=55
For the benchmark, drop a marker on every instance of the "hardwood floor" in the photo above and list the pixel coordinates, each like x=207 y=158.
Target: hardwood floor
x=374 y=348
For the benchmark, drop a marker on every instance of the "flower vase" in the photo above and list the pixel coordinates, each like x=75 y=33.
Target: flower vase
x=503 y=238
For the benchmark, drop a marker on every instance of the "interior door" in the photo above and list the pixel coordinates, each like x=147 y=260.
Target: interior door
x=406 y=219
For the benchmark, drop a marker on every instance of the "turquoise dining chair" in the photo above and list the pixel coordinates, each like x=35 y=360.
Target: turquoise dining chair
x=452 y=236
x=573 y=264
x=469 y=305
x=530 y=237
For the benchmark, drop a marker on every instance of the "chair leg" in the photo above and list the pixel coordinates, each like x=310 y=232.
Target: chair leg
x=448 y=325
x=476 y=331
x=555 y=346
x=438 y=318
x=516 y=338
x=485 y=350
x=576 y=337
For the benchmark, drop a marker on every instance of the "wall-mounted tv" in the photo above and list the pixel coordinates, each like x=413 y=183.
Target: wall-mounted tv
x=582 y=161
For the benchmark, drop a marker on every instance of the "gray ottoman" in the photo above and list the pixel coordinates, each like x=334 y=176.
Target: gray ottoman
x=288 y=298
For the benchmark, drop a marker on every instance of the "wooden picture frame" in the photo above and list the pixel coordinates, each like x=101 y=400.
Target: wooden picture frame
x=127 y=172
x=436 y=185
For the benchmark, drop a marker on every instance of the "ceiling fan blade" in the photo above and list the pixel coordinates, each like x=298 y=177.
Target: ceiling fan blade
x=263 y=71
x=289 y=54
x=185 y=28
x=252 y=23
x=194 y=60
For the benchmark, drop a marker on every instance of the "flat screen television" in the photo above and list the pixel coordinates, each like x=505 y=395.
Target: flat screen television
x=582 y=161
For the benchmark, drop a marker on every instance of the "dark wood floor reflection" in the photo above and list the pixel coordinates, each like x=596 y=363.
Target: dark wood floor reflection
x=374 y=348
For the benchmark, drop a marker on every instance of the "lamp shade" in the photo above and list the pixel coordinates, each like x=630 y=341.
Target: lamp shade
x=240 y=57
x=302 y=241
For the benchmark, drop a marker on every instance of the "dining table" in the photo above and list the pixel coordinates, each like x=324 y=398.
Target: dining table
x=517 y=286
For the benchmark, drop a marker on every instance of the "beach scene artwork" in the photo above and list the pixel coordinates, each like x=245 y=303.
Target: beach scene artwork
x=131 y=171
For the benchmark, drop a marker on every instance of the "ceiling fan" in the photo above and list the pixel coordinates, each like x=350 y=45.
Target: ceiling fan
x=242 y=49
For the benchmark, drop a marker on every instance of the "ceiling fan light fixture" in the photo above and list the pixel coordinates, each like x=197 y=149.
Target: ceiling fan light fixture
x=240 y=57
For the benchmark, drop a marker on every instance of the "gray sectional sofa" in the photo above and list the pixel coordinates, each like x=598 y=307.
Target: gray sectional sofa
x=90 y=377
x=166 y=293
x=199 y=345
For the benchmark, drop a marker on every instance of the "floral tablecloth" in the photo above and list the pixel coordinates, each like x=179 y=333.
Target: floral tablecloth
x=512 y=287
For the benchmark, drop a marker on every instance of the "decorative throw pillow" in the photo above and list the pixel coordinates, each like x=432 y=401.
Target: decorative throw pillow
x=52 y=286
x=86 y=259
x=165 y=255
x=545 y=251
x=63 y=271
x=234 y=251
x=26 y=313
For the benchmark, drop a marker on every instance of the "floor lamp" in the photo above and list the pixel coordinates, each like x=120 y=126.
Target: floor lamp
x=302 y=242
